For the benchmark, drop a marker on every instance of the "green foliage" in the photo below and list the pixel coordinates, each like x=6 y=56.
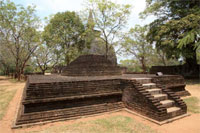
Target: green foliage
x=143 y=54
x=109 y=18
x=177 y=27
x=135 y=44
x=131 y=65
x=65 y=34
x=192 y=104
x=44 y=58
x=18 y=33
x=7 y=64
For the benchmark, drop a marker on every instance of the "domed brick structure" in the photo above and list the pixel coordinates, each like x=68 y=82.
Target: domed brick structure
x=91 y=65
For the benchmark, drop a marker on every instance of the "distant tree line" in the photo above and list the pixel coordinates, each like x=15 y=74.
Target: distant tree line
x=26 y=48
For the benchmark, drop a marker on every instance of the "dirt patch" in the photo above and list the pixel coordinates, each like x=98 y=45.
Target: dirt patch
x=8 y=118
x=188 y=124
x=194 y=90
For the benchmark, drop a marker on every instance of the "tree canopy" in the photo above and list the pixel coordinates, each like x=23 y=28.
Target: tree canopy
x=173 y=35
x=136 y=45
x=109 y=18
x=18 y=33
x=65 y=33
x=177 y=28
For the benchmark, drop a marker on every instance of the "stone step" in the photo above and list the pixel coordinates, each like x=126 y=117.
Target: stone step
x=167 y=103
x=68 y=113
x=173 y=110
x=160 y=97
x=144 y=80
x=154 y=91
x=69 y=97
x=149 y=85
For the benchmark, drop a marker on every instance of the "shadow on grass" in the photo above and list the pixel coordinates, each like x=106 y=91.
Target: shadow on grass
x=112 y=124
x=192 y=81
x=192 y=104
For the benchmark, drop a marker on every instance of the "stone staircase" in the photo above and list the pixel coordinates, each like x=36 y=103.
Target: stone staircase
x=161 y=96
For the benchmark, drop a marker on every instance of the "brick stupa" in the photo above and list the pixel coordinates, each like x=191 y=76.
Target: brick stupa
x=91 y=65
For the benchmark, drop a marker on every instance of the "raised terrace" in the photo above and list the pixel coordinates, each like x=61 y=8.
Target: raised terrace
x=56 y=97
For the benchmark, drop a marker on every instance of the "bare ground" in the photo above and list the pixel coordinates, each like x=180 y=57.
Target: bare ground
x=7 y=121
x=188 y=124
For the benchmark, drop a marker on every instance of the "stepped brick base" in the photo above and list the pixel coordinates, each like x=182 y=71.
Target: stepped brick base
x=68 y=113
x=47 y=98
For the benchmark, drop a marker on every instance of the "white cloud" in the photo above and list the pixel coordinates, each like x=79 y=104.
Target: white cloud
x=63 y=5
x=47 y=7
x=76 y=5
x=54 y=6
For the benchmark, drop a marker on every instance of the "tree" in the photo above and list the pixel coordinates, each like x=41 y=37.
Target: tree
x=65 y=34
x=132 y=65
x=135 y=43
x=177 y=28
x=109 y=19
x=6 y=61
x=18 y=33
x=44 y=58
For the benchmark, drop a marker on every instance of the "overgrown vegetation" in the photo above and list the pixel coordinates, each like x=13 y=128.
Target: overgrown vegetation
x=112 y=124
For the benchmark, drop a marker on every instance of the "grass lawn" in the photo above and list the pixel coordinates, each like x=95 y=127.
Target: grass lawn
x=5 y=97
x=112 y=124
x=193 y=104
x=15 y=81
x=192 y=81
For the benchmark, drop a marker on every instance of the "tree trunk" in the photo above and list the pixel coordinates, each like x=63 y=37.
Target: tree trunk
x=106 y=50
x=144 y=68
x=191 y=66
x=162 y=56
x=19 y=75
x=17 y=70
x=43 y=72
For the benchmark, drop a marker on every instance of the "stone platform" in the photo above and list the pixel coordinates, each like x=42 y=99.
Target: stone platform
x=175 y=83
x=55 y=97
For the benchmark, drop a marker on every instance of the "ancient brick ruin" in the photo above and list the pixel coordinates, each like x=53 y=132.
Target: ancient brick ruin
x=91 y=65
x=93 y=85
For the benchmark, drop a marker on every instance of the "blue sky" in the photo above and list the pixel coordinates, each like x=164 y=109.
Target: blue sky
x=45 y=8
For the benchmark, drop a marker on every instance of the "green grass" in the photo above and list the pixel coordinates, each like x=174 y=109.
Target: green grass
x=5 y=98
x=192 y=104
x=192 y=81
x=112 y=124
x=16 y=81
